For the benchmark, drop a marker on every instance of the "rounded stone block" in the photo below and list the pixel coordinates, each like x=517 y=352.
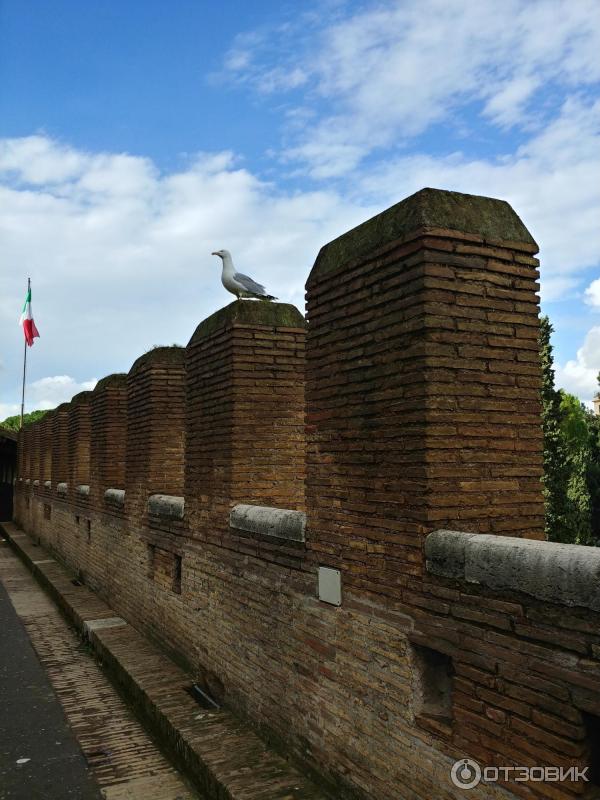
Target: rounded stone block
x=565 y=574
x=280 y=523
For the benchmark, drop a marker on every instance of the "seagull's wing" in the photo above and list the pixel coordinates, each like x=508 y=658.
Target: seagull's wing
x=248 y=284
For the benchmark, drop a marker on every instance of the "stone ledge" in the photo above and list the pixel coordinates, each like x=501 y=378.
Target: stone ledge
x=115 y=497
x=279 y=523
x=566 y=574
x=166 y=506
x=83 y=490
x=62 y=488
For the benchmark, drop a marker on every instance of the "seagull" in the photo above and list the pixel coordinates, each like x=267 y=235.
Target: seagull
x=238 y=284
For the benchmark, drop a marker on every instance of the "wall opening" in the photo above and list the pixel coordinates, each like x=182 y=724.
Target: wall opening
x=433 y=674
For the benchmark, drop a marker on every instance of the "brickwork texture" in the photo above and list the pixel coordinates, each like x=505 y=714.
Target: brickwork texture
x=407 y=402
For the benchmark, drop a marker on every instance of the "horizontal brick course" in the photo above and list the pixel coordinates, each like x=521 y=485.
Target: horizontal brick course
x=421 y=413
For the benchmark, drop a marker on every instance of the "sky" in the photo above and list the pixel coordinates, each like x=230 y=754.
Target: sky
x=138 y=137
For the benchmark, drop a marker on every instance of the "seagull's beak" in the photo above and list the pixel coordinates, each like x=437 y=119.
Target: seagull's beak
x=214 y=254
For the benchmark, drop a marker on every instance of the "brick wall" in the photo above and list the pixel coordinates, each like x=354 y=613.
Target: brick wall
x=245 y=407
x=79 y=440
x=421 y=414
x=155 y=428
x=60 y=445
x=108 y=419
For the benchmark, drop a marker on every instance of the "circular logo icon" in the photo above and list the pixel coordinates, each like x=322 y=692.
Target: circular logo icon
x=465 y=773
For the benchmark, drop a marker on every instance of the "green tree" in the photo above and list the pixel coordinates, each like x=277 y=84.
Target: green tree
x=13 y=423
x=594 y=470
x=556 y=466
x=577 y=437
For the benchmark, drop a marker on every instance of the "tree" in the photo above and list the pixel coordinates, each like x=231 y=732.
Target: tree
x=14 y=423
x=594 y=470
x=556 y=466
x=577 y=436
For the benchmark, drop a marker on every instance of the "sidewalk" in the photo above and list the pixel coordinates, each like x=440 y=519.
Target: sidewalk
x=40 y=757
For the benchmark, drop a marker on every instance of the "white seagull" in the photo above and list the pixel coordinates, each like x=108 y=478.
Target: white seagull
x=238 y=284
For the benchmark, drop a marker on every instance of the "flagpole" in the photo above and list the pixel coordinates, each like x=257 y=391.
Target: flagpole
x=24 y=367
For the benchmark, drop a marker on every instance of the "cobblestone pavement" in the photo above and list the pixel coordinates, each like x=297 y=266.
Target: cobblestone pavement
x=111 y=756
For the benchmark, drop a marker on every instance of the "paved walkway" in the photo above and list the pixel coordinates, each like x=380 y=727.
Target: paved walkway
x=222 y=752
x=59 y=710
x=39 y=754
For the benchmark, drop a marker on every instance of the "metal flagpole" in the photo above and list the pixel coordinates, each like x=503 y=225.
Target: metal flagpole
x=24 y=366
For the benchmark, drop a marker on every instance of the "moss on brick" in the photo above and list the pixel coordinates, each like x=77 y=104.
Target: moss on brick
x=487 y=217
x=251 y=312
x=164 y=356
x=116 y=379
x=81 y=397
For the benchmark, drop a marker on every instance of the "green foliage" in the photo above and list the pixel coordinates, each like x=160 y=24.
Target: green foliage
x=13 y=423
x=556 y=468
x=571 y=458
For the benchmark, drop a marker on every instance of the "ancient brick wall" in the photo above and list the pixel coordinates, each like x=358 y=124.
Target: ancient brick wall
x=155 y=428
x=421 y=414
x=108 y=420
x=59 y=444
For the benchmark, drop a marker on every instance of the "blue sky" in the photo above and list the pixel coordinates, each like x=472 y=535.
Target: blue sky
x=137 y=137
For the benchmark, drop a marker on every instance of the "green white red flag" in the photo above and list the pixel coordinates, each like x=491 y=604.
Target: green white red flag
x=29 y=329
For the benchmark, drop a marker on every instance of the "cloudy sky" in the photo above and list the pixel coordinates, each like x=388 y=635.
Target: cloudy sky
x=137 y=137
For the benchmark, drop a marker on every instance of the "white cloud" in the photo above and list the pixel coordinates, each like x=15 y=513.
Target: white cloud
x=506 y=106
x=579 y=375
x=46 y=393
x=592 y=294
x=119 y=254
x=9 y=410
x=384 y=74
x=552 y=181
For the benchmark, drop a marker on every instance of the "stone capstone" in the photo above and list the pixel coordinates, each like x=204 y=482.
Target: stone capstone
x=280 y=523
x=166 y=506
x=567 y=574
x=115 y=497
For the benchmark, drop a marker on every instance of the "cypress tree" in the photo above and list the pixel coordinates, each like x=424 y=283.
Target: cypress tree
x=556 y=466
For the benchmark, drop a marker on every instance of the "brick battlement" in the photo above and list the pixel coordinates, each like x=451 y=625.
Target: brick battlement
x=337 y=525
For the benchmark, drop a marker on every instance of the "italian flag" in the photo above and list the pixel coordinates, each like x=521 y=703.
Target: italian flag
x=29 y=329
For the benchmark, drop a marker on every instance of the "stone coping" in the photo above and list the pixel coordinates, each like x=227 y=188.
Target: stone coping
x=566 y=574
x=166 y=506
x=250 y=313
x=115 y=497
x=279 y=523
x=487 y=218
